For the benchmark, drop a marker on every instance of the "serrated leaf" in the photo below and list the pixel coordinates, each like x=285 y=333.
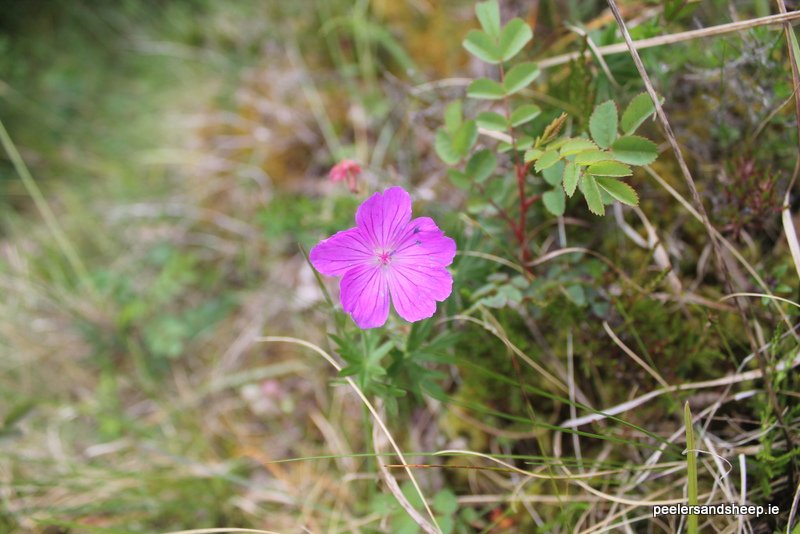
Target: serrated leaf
x=520 y=76
x=552 y=129
x=640 y=108
x=573 y=146
x=533 y=154
x=492 y=121
x=524 y=113
x=489 y=16
x=553 y=174
x=554 y=201
x=513 y=38
x=459 y=179
x=485 y=89
x=607 y=199
x=619 y=190
x=481 y=165
x=603 y=124
x=635 y=150
x=444 y=148
x=591 y=192
x=572 y=173
x=548 y=159
x=592 y=156
x=609 y=168
x=452 y=116
x=464 y=138
x=482 y=46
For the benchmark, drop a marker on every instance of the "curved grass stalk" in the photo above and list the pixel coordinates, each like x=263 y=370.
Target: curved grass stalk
x=638 y=401
x=435 y=528
x=67 y=249
x=516 y=350
x=762 y=295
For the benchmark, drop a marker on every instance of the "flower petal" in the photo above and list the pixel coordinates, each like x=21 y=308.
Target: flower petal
x=365 y=295
x=423 y=243
x=384 y=215
x=415 y=289
x=341 y=252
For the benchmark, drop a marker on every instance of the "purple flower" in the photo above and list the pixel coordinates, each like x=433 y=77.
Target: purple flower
x=388 y=254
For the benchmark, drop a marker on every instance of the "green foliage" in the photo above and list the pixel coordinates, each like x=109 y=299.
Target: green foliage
x=481 y=165
x=444 y=504
x=524 y=114
x=639 y=109
x=603 y=124
x=519 y=77
x=584 y=164
x=513 y=38
x=410 y=369
x=486 y=89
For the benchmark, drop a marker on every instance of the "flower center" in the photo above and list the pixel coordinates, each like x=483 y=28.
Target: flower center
x=384 y=257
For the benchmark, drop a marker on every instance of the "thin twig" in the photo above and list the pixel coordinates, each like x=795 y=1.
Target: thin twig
x=619 y=48
x=638 y=401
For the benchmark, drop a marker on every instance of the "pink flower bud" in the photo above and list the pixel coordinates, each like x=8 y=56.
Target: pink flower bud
x=348 y=170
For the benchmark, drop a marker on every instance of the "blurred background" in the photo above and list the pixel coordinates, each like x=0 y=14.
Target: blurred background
x=164 y=165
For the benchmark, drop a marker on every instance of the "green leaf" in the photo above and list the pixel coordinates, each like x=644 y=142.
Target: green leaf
x=553 y=175
x=533 y=154
x=445 y=501
x=520 y=76
x=492 y=121
x=524 y=113
x=571 y=174
x=635 y=150
x=486 y=89
x=524 y=142
x=444 y=148
x=609 y=168
x=17 y=413
x=452 y=116
x=483 y=47
x=619 y=190
x=603 y=124
x=459 y=178
x=514 y=36
x=592 y=194
x=481 y=165
x=592 y=156
x=573 y=146
x=554 y=201
x=489 y=16
x=465 y=137
x=640 y=108
x=576 y=294
x=548 y=159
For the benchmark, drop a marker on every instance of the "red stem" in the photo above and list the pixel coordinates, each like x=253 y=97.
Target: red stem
x=521 y=170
